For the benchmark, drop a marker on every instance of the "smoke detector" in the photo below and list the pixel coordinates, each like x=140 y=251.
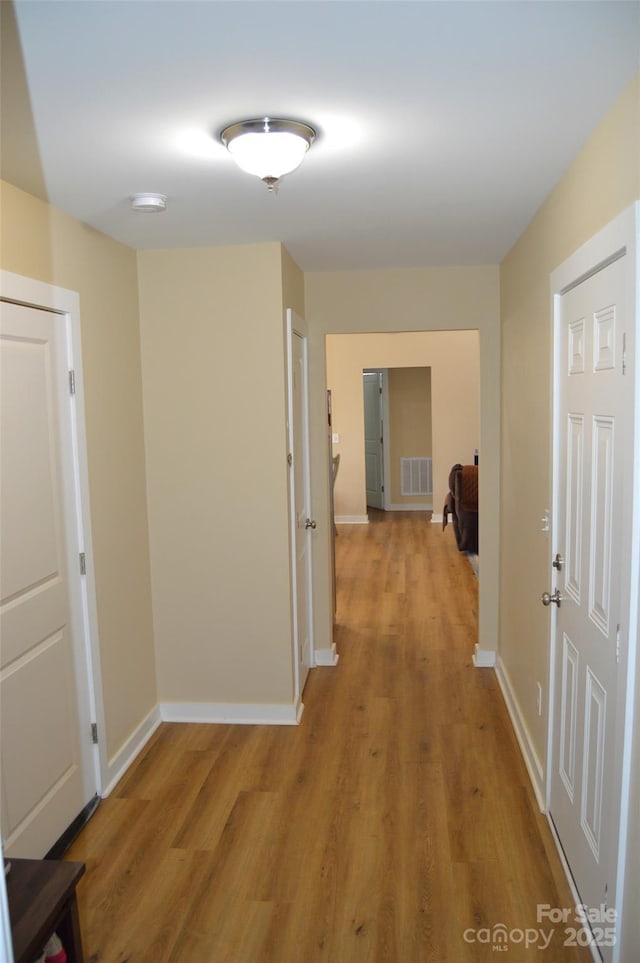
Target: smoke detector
x=149 y=203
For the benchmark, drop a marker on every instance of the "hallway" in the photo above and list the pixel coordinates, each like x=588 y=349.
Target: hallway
x=395 y=824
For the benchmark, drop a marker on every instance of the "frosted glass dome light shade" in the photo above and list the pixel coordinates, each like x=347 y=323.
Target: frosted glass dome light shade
x=268 y=148
x=272 y=155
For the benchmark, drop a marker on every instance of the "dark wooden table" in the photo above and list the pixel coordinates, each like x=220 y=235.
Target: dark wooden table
x=42 y=901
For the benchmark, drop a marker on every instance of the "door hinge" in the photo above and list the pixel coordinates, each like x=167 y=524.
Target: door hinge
x=289 y=459
x=94 y=733
x=381 y=488
x=624 y=352
x=83 y=563
x=618 y=643
x=72 y=382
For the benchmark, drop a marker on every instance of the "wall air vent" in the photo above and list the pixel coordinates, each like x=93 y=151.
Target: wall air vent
x=416 y=476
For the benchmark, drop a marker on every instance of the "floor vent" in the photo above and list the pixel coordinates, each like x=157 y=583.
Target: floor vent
x=416 y=476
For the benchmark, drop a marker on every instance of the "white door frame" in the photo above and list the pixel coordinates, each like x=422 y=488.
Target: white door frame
x=66 y=304
x=296 y=324
x=619 y=237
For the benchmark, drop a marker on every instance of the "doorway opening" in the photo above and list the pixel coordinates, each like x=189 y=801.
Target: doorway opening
x=428 y=383
x=375 y=436
x=400 y=400
x=398 y=438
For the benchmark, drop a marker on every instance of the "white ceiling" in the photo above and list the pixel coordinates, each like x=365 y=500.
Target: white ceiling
x=442 y=125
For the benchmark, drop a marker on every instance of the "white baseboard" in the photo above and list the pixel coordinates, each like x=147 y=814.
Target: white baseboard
x=118 y=764
x=529 y=754
x=352 y=519
x=436 y=519
x=326 y=656
x=415 y=507
x=572 y=886
x=484 y=658
x=264 y=714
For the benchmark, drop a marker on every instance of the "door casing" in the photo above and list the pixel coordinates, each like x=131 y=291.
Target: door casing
x=297 y=326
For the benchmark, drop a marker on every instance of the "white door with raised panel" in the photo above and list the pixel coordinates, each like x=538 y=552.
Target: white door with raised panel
x=594 y=448
x=48 y=775
x=302 y=525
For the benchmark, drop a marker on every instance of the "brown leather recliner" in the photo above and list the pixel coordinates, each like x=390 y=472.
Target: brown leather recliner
x=462 y=504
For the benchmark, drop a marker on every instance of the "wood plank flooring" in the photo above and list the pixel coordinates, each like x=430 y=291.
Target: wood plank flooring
x=395 y=818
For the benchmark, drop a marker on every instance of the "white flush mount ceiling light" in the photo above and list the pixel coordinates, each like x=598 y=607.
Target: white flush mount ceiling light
x=149 y=203
x=268 y=147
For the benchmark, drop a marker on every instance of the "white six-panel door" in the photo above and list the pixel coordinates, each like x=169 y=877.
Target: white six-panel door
x=48 y=775
x=594 y=400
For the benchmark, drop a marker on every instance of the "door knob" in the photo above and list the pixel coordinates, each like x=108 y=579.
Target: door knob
x=558 y=562
x=547 y=599
x=310 y=523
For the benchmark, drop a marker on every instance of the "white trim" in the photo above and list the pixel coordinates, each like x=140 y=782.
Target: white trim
x=66 y=303
x=293 y=571
x=37 y=294
x=484 y=658
x=295 y=325
x=629 y=744
x=131 y=749
x=87 y=583
x=234 y=713
x=437 y=519
x=529 y=754
x=413 y=507
x=352 y=519
x=327 y=656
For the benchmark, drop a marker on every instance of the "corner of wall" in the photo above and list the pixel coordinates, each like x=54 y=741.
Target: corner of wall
x=527 y=748
x=293 y=283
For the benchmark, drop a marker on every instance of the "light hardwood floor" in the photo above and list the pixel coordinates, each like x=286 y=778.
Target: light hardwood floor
x=395 y=818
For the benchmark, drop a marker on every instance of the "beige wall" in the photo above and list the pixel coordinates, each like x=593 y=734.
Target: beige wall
x=214 y=401
x=292 y=284
x=454 y=360
x=40 y=242
x=409 y=428
x=603 y=180
x=420 y=299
